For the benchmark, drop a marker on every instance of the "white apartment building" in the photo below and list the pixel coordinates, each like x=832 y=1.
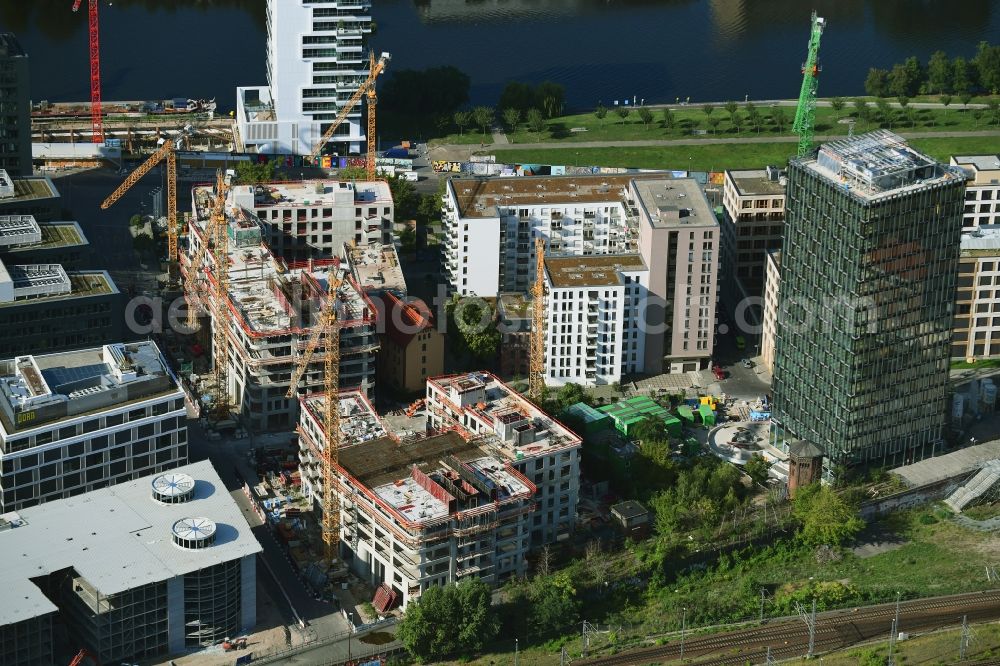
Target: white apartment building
x=982 y=189
x=77 y=421
x=315 y=61
x=752 y=226
x=273 y=307
x=593 y=310
x=419 y=511
x=492 y=223
x=546 y=452
x=769 y=326
x=312 y=219
x=976 y=328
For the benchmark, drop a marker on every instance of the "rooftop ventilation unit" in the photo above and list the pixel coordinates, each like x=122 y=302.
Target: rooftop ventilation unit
x=173 y=488
x=194 y=533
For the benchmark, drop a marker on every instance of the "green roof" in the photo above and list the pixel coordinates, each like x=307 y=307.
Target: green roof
x=584 y=411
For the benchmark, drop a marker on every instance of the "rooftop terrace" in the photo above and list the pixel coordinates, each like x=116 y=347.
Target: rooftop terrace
x=479 y=197
x=59 y=386
x=28 y=189
x=592 y=271
x=116 y=539
x=878 y=164
x=26 y=285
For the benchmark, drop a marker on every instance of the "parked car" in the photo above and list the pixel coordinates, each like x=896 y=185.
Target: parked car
x=747 y=363
x=719 y=373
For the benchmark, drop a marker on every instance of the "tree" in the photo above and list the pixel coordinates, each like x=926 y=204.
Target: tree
x=405 y=198
x=650 y=429
x=779 y=118
x=550 y=97
x=553 y=605
x=622 y=112
x=945 y=101
x=961 y=80
x=473 y=323
x=251 y=173
x=977 y=115
x=902 y=82
x=824 y=517
x=757 y=468
x=730 y=107
x=877 y=82
x=987 y=63
x=461 y=119
x=645 y=115
x=753 y=116
x=437 y=90
x=884 y=111
x=736 y=120
x=965 y=98
x=517 y=95
x=669 y=119
x=482 y=116
x=837 y=103
x=408 y=240
x=994 y=108
x=938 y=73
x=862 y=110
x=903 y=101
x=452 y=620
x=708 y=109
x=536 y=122
x=511 y=117
x=713 y=122
x=601 y=112
x=570 y=394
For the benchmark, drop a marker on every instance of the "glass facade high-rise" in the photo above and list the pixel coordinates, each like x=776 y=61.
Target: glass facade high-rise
x=865 y=307
x=15 y=108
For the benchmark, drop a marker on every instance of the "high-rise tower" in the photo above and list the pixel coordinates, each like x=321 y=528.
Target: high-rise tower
x=865 y=308
x=15 y=108
x=315 y=60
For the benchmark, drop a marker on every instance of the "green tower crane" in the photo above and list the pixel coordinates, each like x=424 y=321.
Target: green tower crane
x=805 y=113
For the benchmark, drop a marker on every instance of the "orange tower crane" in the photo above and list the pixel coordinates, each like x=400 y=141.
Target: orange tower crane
x=375 y=68
x=328 y=328
x=96 y=112
x=536 y=347
x=222 y=320
x=166 y=152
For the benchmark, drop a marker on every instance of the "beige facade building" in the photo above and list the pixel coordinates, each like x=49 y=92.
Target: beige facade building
x=976 y=330
x=769 y=327
x=412 y=348
x=982 y=189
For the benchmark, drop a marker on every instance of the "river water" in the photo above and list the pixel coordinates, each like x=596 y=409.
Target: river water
x=601 y=50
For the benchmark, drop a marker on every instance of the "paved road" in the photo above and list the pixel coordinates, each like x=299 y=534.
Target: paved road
x=848 y=104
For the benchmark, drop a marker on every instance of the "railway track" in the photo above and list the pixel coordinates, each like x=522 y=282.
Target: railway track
x=834 y=630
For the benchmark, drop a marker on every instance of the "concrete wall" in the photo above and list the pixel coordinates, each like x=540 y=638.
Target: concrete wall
x=248 y=593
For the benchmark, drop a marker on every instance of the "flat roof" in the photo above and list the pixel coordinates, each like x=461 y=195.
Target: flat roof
x=496 y=406
x=359 y=422
x=950 y=465
x=58 y=234
x=53 y=387
x=751 y=182
x=978 y=162
x=674 y=202
x=386 y=459
x=319 y=192
x=479 y=197
x=515 y=305
x=117 y=538
x=983 y=241
x=376 y=266
x=876 y=165
x=19 y=230
x=599 y=270
x=82 y=284
x=35 y=187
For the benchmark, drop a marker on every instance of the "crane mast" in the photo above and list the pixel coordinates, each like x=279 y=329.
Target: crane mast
x=165 y=152
x=96 y=111
x=375 y=68
x=536 y=347
x=220 y=255
x=805 y=112
x=329 y=329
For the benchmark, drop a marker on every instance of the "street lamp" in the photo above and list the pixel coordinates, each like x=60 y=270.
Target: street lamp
x=350 y=635
x=515 y=651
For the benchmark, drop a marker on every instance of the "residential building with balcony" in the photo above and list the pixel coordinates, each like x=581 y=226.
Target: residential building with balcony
x=78 y=421
x=520 y=434
x=976 y=329
x=316 y=60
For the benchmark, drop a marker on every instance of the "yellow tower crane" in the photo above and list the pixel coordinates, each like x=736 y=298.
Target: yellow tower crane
x=166 y=151
x=375 y=68
x=536 y=350
x=329 y=329
x=219 y=233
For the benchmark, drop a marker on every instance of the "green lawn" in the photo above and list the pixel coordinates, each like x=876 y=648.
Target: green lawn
x=985 y=363
x=715 y=157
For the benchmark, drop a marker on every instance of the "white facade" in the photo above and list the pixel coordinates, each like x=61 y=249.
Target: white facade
x=769 y=327
x=315 y=62
x=592 y=333
x=78 y=421
x=982 y=189
x=536 y=445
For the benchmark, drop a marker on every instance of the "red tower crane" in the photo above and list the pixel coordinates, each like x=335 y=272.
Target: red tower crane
x=96 y=115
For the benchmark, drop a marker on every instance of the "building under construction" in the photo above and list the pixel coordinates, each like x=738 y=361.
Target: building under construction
x=419 y=511
x=273 y=305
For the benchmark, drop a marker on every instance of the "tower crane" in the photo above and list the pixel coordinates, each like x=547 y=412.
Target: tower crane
x=805 y=113
x=96 y=112
x=166 y=152
x=375 y=68
x=536 y=347
x=83 y=655
x=329 y=329
x=219 y=233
